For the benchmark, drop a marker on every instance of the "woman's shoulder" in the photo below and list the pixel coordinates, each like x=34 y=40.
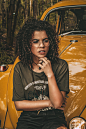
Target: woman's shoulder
x=20 y=67
x=59 y=63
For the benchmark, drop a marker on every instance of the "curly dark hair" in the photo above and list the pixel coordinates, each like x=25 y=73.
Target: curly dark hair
x=23 y=44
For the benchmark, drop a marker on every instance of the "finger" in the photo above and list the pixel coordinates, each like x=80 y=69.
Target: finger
x=63 y=105
x=64 y=102
x=41 y=62
x=61 y=108
x=46 y=60
x=40 y=65
x=65 y=99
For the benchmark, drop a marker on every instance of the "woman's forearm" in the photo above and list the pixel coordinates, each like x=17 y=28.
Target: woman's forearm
x=55 y=94
x=27 y=105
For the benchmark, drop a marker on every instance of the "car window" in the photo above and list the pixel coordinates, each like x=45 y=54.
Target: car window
x=52 y=18
x=69 y=21
x=73 y=19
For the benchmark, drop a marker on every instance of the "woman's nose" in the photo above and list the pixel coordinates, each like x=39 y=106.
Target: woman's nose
x=41 y=44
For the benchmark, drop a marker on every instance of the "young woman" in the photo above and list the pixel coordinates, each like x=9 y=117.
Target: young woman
x=41 y=79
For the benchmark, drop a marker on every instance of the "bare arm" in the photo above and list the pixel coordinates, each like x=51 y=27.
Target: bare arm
x=56 y=96
x=27 y=105
x=64 y=101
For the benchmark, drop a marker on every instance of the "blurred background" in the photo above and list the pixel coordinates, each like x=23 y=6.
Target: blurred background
x=13 y=14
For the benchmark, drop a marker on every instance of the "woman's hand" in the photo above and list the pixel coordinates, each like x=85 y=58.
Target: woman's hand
x=45 y=65
x=55 y=95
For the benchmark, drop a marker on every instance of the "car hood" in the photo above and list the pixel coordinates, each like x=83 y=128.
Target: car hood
x=75 y=54
x=65 y=41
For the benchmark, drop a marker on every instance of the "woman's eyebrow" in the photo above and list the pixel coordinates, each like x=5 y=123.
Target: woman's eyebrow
x=38 y=39
x=35 y=39
x=45 y=38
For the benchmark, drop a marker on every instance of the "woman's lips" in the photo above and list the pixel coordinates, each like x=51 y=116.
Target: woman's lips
x=42 y=52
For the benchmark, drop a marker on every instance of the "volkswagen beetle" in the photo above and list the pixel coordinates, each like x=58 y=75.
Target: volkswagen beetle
x=68 y=17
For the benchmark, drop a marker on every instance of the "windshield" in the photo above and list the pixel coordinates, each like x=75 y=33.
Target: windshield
x=71 y=20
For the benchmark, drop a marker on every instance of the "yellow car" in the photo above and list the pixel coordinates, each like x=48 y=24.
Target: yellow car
x=68 y=17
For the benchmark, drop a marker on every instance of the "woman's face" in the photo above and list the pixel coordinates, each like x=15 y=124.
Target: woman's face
x=40 y=44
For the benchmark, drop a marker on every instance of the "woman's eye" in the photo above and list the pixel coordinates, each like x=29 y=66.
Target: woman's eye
x=46 y=40
x=35 y=41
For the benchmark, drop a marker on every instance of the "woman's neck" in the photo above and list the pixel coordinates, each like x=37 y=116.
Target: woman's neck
x=36 y=68
x=35 y=59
